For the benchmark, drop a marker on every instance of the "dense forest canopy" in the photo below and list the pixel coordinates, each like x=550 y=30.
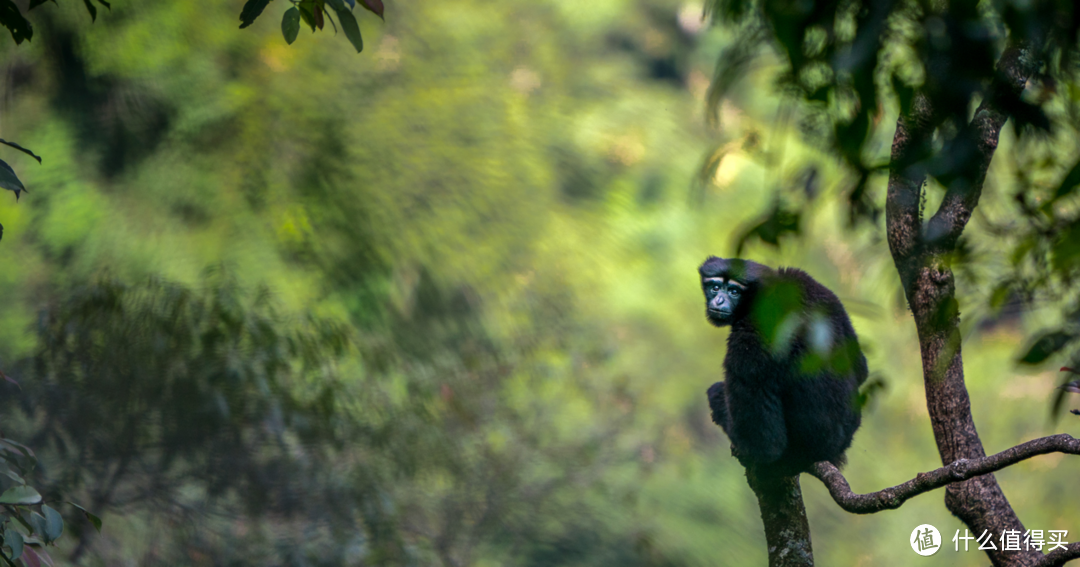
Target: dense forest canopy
x=435 y=304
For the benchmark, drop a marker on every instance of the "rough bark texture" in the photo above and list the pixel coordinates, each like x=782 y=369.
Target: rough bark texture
x=920 y=257
x=920 y=251
x=893 y=497
x=787 y=531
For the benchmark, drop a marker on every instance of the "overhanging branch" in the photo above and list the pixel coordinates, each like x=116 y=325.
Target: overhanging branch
x=958 y=471
x=974 y=147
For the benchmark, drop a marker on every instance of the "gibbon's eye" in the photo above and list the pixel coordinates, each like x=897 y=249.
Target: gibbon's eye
x=714 y=288
x=733 y=292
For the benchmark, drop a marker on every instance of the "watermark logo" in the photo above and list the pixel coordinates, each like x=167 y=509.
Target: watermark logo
x=925 y=540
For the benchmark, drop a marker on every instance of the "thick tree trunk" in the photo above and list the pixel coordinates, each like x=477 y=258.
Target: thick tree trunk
x=787 y=532
x=920 y=252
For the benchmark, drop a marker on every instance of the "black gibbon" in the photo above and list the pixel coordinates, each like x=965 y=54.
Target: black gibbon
x=793 y=365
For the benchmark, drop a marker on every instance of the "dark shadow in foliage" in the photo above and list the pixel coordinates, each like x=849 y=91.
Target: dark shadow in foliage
x=775 y=224
x=833 y=50
x=122 y=122
x=139 y=391
x=581 y=177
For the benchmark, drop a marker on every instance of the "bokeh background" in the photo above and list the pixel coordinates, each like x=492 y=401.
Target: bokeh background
x=436 y=303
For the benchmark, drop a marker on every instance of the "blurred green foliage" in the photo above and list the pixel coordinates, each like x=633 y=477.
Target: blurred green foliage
x=852 y=68
x=482 y=339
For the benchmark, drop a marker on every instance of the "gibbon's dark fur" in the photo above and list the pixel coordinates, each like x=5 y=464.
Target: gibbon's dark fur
x=774 y=411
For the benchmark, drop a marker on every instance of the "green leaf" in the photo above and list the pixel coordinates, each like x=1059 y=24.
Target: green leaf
x=337 y=5
x=37 y=521
x=25 y=524
x=251 y=10
x=21 y=149
x=93 y=519
x=290 y=25
x=374 y=6
x=106 y=4
x=351 y=29
x=1045 y=346
x=1000 y=295
x=92 y=9
x=12 y=19
x=306 y=15
x=13 y=475
x=10 y=181
x=1070 y=183
x=26 y=451
x=14 y=540
x=1066 y=251
x=35 y=3
x=54 y=524
x=20 y=495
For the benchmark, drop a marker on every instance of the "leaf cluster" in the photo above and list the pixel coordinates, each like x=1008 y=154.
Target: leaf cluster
x=203 y=384
x=13 y=18
x=315 y=14
x=27 y=524
x=845 y=59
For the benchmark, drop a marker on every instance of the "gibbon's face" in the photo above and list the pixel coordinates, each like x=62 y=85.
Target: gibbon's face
x=722 y=296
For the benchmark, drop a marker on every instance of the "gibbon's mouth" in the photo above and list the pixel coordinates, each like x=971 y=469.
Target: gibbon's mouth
x=719 y=312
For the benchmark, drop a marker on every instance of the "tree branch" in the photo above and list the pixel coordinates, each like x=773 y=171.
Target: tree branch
x=958 y=471
x=911 y=144
x=1059 y=556
x=920 y=254
x=974 y=148
x=787 y=531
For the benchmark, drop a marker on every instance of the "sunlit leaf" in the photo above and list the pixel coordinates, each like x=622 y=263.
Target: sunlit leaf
x=20 y=495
